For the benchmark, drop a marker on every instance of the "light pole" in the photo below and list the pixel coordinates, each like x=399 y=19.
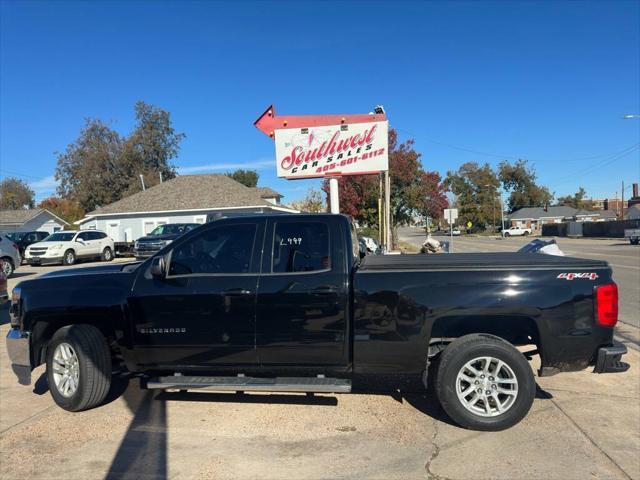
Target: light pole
x=493 y=204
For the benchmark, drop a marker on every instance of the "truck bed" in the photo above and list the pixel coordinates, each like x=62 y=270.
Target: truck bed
x=475 y=261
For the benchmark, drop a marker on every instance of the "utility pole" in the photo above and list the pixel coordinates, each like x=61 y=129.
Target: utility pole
x=142 y=181
x=622 y=201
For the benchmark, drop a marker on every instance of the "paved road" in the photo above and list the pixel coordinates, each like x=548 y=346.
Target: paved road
x=623 y=258
x=581 y=426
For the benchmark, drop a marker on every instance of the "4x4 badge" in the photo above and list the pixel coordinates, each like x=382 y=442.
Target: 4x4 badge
x=584 y=275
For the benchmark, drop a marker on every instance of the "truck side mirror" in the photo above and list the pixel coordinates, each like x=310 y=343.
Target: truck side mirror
x=158 y=267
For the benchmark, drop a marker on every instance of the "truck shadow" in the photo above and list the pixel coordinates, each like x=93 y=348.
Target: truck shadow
x=143 y=450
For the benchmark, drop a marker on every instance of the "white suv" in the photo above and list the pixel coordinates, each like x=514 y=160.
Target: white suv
x=68 y=246
x=517 y=231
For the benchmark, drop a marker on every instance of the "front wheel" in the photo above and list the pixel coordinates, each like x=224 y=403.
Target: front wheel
x=69 y=257
x=484 y=383
x=507 y=234
x=7 y=266
x=107 y=255
x=634 y=241
x=78 y=367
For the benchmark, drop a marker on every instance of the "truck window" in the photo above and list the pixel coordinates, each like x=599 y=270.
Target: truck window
x=300 y=247
x=223 y=249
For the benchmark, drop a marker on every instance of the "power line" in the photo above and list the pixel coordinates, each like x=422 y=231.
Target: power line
x=513 y=157
x=598 y=165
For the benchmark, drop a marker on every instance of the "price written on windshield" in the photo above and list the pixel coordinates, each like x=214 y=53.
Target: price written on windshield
x=291 y=241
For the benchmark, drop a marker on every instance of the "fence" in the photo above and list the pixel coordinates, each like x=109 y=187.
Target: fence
x=614 y=229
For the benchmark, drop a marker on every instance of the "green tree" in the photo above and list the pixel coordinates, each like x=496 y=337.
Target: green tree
x=577 y=200
x=520 y=180
x=15 y=194
x=248 y=178
x=149 y=149
x=101 y=167
x=476 y=191
x=311 y=203
x=90 y=171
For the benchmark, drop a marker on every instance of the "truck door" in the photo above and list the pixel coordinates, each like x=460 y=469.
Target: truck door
x=302 y=304
x=203 y=312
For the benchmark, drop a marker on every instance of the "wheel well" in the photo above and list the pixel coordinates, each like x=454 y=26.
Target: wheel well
x=44 y=330
x=515 y=330
x=7 y=259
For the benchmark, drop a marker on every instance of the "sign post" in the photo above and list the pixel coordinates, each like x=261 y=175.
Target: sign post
x=451 y=215
x=333 y=146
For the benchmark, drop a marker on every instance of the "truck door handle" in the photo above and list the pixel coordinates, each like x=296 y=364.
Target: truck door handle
x=325 y=290
x=236 y=292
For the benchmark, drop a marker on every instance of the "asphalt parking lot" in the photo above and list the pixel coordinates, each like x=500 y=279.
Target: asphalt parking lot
x=581 y=426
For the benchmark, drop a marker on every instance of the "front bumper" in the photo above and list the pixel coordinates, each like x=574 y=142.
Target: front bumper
x=608 y=359
x=144 y=253
x=18 y=349
x=43 y=260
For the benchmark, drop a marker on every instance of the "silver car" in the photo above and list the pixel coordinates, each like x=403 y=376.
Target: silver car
x=9 y=255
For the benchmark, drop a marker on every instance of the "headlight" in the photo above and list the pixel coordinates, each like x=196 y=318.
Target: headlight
x=136 y=245
x=166 y=242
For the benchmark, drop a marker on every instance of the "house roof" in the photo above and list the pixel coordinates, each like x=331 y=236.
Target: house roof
x=188 y=192
x=20 y=217
x=558 y=211
x=599 y=213
x=266 y=192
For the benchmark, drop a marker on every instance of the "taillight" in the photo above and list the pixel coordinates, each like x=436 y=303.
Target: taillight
x=607 y=304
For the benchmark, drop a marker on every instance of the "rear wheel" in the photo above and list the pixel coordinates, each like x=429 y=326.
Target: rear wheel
x=634 y=241
x=78 y=367
x=69 y=257
x=107 y=255
x=526 y=234
x=484 y=383
x=7 y=266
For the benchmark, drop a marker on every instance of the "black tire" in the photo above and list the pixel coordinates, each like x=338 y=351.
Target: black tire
x=7 y=266
x=467 y=348
x=634 y=241
x=107 y=254
x=94 y=361
x=506 y=234
x=526 y=234
x=69 y=257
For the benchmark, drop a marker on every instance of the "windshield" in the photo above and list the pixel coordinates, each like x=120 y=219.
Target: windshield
x=15 y=236
x=173 y=229
x=60 y=237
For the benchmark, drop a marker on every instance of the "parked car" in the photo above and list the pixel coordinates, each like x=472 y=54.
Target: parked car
x=9 y=255
x=24 y=239
x=284 y=303
x=633 y=234
x=455 y=231
x=516 y=231
x=160 y=237
x=67 y=247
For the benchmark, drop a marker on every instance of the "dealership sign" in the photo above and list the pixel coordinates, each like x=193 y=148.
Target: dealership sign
x=353 y=149
x=309 y=146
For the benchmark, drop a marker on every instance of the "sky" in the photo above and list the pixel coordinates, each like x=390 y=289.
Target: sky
x=469 y=81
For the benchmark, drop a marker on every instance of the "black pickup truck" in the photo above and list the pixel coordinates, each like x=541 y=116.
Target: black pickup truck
x=284 y=303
